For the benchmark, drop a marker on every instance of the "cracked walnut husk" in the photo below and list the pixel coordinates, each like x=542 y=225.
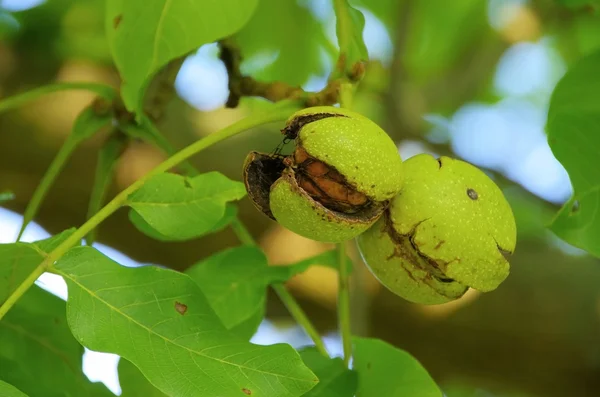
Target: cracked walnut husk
x=336 y=183
x=449 y=228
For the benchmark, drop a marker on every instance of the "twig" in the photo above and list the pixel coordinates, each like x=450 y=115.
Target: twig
x=241 y=85
x=162 y=89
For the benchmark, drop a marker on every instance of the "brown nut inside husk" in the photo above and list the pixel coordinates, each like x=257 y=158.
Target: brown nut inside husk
x=316 y=196
x=343 y=172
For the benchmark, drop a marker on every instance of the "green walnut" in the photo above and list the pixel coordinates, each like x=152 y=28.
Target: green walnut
x=449 y=228
x=336 y=183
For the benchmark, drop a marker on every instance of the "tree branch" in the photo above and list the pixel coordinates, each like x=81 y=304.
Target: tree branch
x=241 y=85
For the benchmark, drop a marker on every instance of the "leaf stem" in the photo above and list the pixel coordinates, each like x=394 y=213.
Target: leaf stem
x=21 y=289
x=341 y=17
x=42 y=189
x=103 y=90
x=107 y=159
x=278 y=113
x=300 y=316
x=242 y=232
x=346 y=94
x=344 y=303
x=163 y=143
x=286 y=297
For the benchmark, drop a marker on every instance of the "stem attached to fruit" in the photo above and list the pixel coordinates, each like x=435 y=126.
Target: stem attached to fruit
x=286 y=297
x=344 y=304
x=346 y=93
x=278 y=113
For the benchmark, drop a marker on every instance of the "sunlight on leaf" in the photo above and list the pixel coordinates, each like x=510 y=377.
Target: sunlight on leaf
x=573 y=119
x=145 y=36
x=180 y=208
x=170 y=332
x=384 y=370
x=38 y=353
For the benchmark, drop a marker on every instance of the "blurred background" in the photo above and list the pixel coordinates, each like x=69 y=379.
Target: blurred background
x=466 y=78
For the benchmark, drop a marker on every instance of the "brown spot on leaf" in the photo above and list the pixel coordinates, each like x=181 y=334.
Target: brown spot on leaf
x=180 y=307
x=247 y=392
x=437 y=247
x=575 y=207
x=187 y=183
x=117 y=20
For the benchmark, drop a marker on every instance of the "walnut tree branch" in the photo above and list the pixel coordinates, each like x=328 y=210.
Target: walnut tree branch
x=241 y=85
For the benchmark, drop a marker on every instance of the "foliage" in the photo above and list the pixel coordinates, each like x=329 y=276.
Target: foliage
x=384 y=370
x=144 y=39
x=39 y=354
x=187 y=334
x=573 y=116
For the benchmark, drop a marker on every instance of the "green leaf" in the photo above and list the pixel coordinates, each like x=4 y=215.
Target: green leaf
x=6 y=195
x=103 y=90
x=335 y=380
x=462 y=26
x=573 y=120
x=578 y=3
x=170 y=332
x=387 y=11
x=326 y=259
x=107 y=159
x=350 y=24
x=145 y=38
x=294 y=38
x=7 y=390
x=235 y=283
x=133 y=383
x=86 y=125
x=38 y=352
x=143 y=226
x=18 y=260
x=181 y=208
x=384 y=370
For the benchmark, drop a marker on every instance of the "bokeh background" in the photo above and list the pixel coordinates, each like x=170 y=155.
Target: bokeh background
x=467 y=78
